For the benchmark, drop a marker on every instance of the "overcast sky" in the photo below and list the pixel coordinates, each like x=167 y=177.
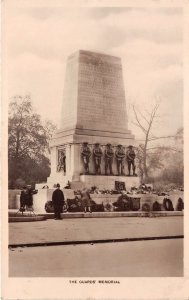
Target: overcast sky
x=148 y=40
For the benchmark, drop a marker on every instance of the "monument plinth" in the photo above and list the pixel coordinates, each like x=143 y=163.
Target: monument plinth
x=93 y=111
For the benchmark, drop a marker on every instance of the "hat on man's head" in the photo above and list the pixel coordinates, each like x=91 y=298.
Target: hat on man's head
x=58 y=185
x=130 y=146
x=123 y=192
x=119 y=145
x=97 y=144
x=108 y=144
x=85 y=143
x=24 y=187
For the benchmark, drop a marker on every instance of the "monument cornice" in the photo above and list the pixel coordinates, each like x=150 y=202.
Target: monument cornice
x=74 y=133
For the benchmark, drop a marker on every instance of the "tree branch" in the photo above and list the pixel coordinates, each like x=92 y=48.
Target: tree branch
x=165 y=148
x=136 y=124
x=161 y=137
x=136 y=116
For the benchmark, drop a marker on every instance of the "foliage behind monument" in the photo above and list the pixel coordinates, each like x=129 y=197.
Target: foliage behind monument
x=28 y=147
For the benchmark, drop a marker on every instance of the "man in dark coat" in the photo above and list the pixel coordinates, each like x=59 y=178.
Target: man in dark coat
x=58 y=202
x=23 y=199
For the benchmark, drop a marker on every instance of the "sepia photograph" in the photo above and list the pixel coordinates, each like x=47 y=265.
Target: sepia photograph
x=95 y=141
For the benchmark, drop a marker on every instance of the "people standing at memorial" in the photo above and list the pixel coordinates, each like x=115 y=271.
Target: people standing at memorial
x=97 y=154
x=86 y=154
x=58 y=202
x=120 y=155
x=23 y=198
x=86 y=200
x=30 y=193
x=130 y=157
x=26 y=197
x=108 y=155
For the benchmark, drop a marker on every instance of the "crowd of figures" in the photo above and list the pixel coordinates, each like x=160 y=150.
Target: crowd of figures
x=26 y=198
x=126 y=201
x=82 y=202
x=120 y=156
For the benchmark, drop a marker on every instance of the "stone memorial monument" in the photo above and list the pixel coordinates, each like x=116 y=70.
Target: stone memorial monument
x=90 y=147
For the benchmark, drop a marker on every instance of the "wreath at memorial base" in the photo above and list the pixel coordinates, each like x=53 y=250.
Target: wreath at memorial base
x=74 y=205
x=135 y=204
x=96 y=207
x=180 y=204
x=49 y=208
x=146 y=207
x=123 y=204
x=156 y=206
x=108 y=207
x=167 y=204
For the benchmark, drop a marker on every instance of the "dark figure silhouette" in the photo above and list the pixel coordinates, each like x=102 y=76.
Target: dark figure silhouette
x=130 y=157
x=97 y=154
x=58 y=202
x=86 y=154
x=108 y=154
x=120 y=155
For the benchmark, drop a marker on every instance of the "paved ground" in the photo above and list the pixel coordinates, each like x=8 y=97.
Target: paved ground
x=163 y=258
x=93 y=229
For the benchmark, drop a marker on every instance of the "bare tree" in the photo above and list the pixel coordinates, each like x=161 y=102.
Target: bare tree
x=145 y=121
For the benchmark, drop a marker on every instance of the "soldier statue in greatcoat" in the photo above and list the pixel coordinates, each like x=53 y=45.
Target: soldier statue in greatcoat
x=97 y=154
x=108 y=155
x=130 y=157
x=86 y=154
x=62 y=162
x=120 y=156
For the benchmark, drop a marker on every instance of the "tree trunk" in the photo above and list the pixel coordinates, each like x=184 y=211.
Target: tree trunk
x=145 y=177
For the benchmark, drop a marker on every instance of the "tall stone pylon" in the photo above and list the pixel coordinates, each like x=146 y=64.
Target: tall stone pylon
x=94 y=95
x=93 y=111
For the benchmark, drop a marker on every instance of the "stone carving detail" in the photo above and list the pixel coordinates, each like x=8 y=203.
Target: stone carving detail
x=130 y=157
x=120 y=156
x=108 y=156
x=61 y=160
x=97 y=154
x=86 y=154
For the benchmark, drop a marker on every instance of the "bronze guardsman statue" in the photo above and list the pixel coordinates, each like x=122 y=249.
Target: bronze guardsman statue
x=130 y=157
x=86 y=154
x=97 y=154
x=120 y=155
x=62 y=162
x=108 y=155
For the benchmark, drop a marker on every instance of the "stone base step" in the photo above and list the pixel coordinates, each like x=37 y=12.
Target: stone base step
x=115 y=214
x=26 y=218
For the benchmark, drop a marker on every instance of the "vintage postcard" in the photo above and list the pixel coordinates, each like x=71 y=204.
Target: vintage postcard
x=95 y=149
